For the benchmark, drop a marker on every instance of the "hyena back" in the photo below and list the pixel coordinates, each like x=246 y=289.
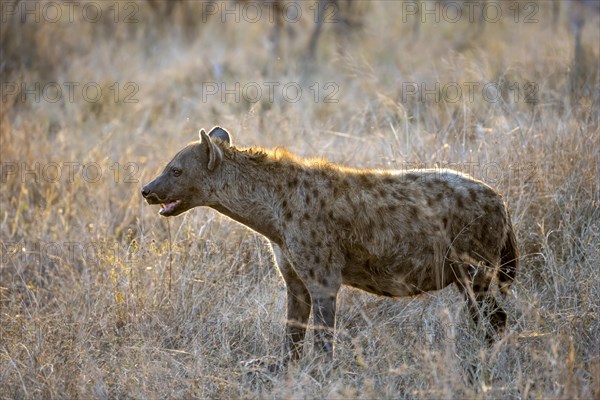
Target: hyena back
x=386 y=232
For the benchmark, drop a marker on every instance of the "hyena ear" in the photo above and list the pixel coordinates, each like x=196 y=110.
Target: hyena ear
x=215 y=155
x=220 y=133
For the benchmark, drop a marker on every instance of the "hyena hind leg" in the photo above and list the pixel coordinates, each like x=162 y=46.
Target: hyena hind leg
x=487 y=314
x=483 y=307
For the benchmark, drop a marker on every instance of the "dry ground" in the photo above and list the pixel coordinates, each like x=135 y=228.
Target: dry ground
x=102 y=298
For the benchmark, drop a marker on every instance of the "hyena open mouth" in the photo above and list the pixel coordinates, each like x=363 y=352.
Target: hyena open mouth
x=168 y=208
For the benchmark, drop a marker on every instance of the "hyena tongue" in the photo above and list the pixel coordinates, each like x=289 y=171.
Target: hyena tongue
x=168 y=207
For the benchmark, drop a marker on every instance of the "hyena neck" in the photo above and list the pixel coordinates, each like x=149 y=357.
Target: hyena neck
x=248 y=194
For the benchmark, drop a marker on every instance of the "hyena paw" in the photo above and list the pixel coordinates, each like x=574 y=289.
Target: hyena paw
x=264 y=365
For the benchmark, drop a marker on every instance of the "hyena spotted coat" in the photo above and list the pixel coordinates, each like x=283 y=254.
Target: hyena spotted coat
x=386 y=232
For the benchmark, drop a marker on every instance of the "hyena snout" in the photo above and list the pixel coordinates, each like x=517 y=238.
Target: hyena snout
x=150 y=194
x=145 y=191
x=170 y=205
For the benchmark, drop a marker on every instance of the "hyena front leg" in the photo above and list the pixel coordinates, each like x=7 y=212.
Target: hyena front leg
x=298 y=307
x=324 y=308
x=323 y=281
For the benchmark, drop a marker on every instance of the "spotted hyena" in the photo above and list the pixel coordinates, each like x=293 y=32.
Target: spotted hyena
x=389 y=233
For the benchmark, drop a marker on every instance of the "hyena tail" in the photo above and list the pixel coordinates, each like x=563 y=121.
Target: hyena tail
x=509 y=261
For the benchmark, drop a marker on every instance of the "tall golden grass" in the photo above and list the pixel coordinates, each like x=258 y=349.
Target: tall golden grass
x=102 y=298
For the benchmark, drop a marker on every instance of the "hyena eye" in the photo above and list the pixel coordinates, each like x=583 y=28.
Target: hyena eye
x=176 y=171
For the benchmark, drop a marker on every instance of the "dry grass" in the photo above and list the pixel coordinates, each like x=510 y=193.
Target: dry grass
x=102 y=298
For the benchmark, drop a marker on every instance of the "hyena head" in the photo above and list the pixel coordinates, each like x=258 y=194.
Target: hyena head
x=189 y=179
